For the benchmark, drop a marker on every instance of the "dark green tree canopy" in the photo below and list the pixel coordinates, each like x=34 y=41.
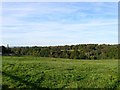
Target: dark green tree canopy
x=82 y=51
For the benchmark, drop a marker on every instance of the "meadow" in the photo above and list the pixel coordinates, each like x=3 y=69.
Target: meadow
x=41 y=72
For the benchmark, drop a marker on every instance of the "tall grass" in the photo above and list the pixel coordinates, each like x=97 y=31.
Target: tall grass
x=38 y=72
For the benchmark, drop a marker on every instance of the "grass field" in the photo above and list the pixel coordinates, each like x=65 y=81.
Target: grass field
x=38 y=72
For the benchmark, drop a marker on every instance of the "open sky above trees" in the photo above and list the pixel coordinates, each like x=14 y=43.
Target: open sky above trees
x=42 y=24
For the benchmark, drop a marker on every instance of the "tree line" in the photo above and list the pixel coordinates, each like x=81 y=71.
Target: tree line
x=81 y=51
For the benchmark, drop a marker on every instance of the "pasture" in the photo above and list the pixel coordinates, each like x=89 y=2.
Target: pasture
x=41 y=72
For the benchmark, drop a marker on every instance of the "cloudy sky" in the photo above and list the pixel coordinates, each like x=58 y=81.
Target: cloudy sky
x=43 y=24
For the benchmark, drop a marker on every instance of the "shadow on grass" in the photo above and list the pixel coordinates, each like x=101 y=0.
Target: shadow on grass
x=34 y=86
x=5 y=87
x=28 y=84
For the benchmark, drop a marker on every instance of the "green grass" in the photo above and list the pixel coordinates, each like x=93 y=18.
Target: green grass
x=38 y=72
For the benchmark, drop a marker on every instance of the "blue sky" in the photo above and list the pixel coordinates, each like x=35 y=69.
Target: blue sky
x=44 y=24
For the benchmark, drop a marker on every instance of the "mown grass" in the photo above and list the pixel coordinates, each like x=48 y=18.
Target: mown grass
x=39 y=72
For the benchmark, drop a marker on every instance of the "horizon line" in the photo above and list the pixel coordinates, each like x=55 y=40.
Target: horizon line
x=58 y=45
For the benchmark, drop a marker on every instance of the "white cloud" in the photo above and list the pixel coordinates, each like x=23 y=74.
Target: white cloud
x=45 y=33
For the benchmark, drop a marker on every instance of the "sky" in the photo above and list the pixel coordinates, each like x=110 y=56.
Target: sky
x=59 y=23
x=60 y=1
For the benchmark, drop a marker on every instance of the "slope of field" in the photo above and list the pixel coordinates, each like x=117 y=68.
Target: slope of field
x=37 y=72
